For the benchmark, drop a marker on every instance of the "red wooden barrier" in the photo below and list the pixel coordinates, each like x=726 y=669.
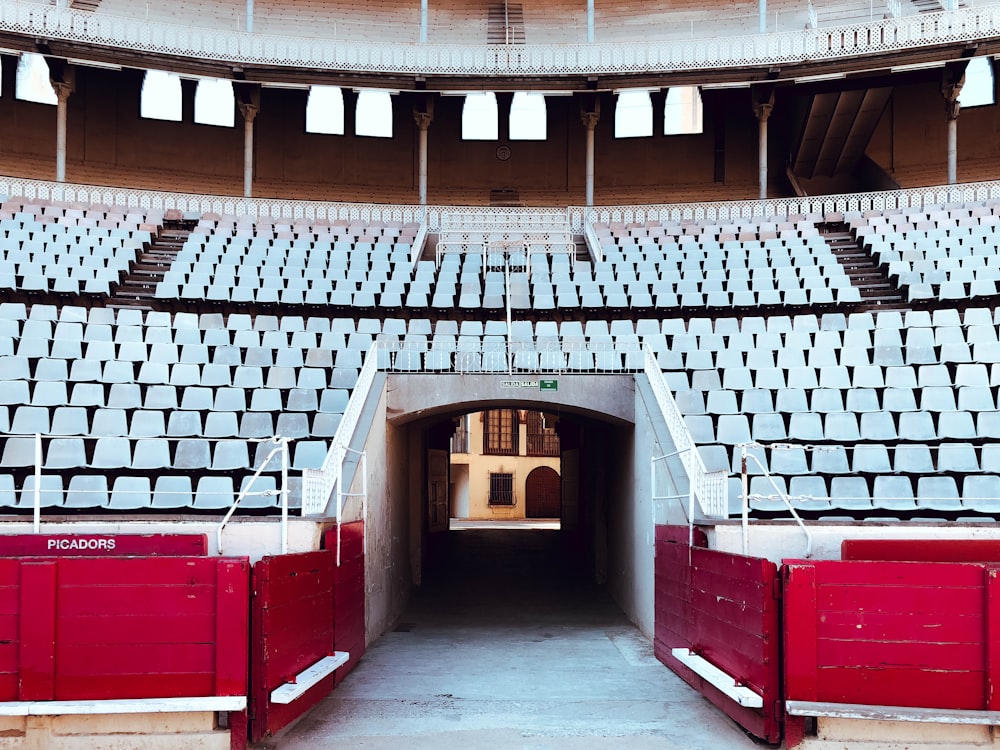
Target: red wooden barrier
x=922 y=550
x=118 y=628
x=349 y=593
x=908 y=634
x=723 y=607
x=102 y=545
x=292 y=630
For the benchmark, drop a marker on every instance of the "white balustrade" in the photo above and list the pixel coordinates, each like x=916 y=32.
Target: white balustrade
x=38 y=21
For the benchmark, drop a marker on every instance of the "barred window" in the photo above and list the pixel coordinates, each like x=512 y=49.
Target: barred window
x=500 y=432
x=542 y=437
x=501 y=488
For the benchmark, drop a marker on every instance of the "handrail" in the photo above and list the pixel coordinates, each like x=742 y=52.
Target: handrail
x=593 y=241
x=744 y=456
x=709 y=488
x=318 y=484
x=283 y=450
x=740 y=51
x=282 y=209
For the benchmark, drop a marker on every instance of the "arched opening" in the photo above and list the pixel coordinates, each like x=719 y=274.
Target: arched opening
x=542 y=493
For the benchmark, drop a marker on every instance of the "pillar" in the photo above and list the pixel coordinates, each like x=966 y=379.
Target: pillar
x=249 y=112
x=762 y=16
x=590 y=123
x=951 y=86
x=590 y=21
x=423 y=120
x=423 y=21
x=63 y=90
x=249 y=27
x=762 y=111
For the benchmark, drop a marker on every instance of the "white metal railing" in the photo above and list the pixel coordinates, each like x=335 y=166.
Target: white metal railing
x=593 y=241
x=196 y=204
x=815 y=206
x=236 y=47
x=813 y=18
x=511 y=354
x=363 y=458
x=894 y=8
x=746 y=457
x=281 y=450
x=318 y=484
x=709 y=488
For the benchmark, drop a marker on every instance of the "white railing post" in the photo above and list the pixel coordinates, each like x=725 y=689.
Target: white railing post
x=38 y=483
x=284 y=496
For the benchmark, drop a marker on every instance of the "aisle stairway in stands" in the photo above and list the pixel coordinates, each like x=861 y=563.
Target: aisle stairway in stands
x=138 y=288
x=877 y=291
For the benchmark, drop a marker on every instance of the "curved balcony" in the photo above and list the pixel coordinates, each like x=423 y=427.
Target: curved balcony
x=77 y=33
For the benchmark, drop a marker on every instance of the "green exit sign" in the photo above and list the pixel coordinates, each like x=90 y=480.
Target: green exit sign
x=548 y=385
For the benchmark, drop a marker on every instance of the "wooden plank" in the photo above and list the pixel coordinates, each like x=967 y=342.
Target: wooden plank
x=892 y=713
x=918 y=688
x=932 y=575
x=141 y=628
x=135 y=598
x=915 y=601
x=801 y=668
x=931 y=657
x=232 y=633
x=991 y=632
x=135 y=686
x=281 y=567
x=113 y=571
x=954 y=627
x=725 y=683
x=679 y=535
x=127 y=658
x=309 y=677
x=927 y=550
x=38 y=630
x=78 y=545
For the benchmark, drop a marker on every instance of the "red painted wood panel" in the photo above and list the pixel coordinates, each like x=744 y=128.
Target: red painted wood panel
x=90 y=628
x=722 y=606
x=77 y=545
x=349 y=594
x=38 y=631
x=292 y=626
x=926 y=550
x=889 y=633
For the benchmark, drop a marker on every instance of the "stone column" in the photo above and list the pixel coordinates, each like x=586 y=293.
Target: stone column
x=423 y=120
x=762 y=111
x=590 y=123
x=249 y=112
x=63 y=90
x=951 y=87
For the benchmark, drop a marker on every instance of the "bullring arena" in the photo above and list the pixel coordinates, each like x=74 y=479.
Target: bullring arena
x=656 y=334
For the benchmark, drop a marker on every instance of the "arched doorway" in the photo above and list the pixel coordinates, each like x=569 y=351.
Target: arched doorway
x=542 y=493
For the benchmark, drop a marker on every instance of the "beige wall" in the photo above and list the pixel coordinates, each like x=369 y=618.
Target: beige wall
x=477 y=468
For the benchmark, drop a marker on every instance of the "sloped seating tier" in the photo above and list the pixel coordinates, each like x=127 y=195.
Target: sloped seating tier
x=947 y=253
x=155 y=410
x=694 y=266
x=67 y=249
x=884 y=415
x=343 y=265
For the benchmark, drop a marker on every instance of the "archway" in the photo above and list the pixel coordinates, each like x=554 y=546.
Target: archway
x=542 y=493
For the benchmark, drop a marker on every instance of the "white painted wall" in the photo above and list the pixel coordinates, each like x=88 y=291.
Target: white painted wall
x=784 y=540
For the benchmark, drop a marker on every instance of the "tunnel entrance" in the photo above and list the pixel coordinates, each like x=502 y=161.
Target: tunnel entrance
x=471 y=448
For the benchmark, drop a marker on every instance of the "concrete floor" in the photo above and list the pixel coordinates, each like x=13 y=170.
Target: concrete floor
x=507 y=646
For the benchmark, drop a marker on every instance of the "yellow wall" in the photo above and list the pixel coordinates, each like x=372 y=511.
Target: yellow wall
x=478 y=468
